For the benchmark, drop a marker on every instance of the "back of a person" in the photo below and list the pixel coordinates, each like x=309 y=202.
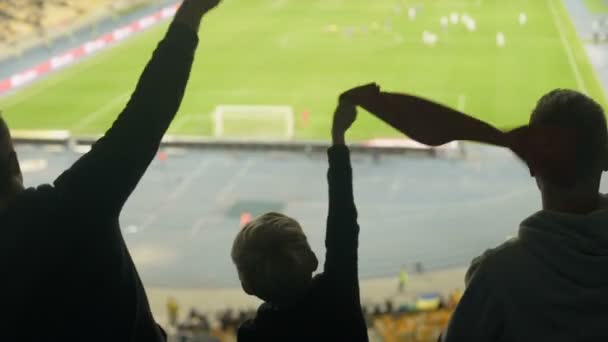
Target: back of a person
x=319 y=315
x=67 y=273
x=550 y=282
x=35 y=271
x=69 y=282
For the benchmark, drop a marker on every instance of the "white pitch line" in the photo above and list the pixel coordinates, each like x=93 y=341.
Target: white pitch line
x=187 y=182
x=184 y=185
x=396 y=185
x=186 y=119
x=99 y=112
x=45 y=82
x=573 y=65
x=201 y=223
x=462 y=102
x=23 y=94
x=197 y=226
x=278 y=4
x=179 y=123
x=232 y=183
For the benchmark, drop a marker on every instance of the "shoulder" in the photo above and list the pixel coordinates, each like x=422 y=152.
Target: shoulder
x=499 y=257
x=247 y=331
x=247 y=325
x=251 y=327
x=44 y=188
x=33 y=197
x=41 y=193
x=321 y=287
x=318 y=280
x=268 y=324
x=38 y=192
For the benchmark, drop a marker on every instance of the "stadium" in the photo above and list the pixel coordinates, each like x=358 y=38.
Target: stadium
x=251 y=134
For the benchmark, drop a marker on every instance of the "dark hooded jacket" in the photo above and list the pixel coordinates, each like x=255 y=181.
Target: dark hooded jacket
x=548 y=284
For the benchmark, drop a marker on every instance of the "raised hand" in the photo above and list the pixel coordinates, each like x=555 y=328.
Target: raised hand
x=346 y=112
x=344 y=116
x=201 y=6
x=192 y=11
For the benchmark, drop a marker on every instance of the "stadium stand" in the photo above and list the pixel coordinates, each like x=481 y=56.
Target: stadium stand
x=422 y=321
x=25 y=23
x=416 y=320
x=413 y=317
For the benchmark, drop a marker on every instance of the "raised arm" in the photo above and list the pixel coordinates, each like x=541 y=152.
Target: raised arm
x=101 y=181
x=342 y=228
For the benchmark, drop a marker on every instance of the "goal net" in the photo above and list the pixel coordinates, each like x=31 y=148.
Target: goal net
x=254 y=122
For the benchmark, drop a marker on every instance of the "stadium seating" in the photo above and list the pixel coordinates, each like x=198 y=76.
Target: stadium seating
x=415 y=322
x=407 y=323
x=24 y=21
x=413 y=327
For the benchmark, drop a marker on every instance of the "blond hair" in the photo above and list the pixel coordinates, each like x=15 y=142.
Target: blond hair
x=273 y=258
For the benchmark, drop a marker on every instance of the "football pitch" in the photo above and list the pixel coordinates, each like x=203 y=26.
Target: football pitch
x=304 y=53
x=597 y=6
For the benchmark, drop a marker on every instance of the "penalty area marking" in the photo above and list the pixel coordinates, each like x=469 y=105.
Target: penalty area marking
x=181 y=189
x=232 y=182
x=186 y=183
x=99 y=112
x=181 y=122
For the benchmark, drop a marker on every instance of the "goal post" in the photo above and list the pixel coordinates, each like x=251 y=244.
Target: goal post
x=258 y=122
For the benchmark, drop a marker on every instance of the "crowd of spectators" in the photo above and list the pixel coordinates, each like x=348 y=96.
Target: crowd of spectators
x=421 y=319
x=63 y=253
x=199 y=327
x=22 y=21
x=22 y=18
x=599 y=28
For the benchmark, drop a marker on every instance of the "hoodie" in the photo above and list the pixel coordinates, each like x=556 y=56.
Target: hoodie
x=548 y=284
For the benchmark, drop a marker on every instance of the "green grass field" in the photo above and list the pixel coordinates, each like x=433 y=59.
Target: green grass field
x=597 y=6
x=281 y=52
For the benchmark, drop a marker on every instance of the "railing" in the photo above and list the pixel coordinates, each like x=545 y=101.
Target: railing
x=384 y=146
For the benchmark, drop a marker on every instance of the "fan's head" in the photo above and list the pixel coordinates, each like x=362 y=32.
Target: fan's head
x=569 y=109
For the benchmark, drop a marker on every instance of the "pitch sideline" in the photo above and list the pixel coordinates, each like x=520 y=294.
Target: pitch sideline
x=570 y=54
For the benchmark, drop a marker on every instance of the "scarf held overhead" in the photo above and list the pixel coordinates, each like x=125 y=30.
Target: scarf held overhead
x=548 y=150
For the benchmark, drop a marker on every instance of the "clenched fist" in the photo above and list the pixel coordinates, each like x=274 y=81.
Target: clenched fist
x=200 y=6
x=192 y=11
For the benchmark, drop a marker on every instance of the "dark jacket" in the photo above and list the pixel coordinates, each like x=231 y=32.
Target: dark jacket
x=331 y=310
x=66 y=272
x=548 y=284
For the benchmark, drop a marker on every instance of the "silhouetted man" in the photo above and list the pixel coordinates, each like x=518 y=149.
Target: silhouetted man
x=66 y=272
x=550 y=282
